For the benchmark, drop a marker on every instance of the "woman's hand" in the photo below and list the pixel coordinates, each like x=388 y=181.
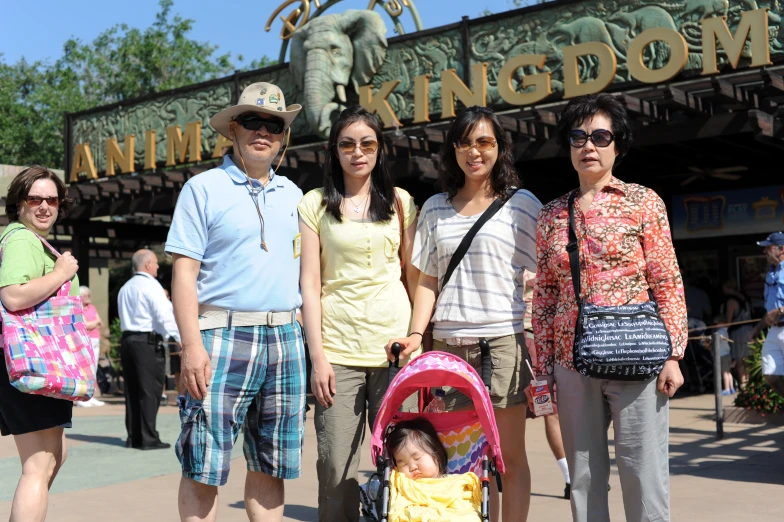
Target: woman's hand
x=670 y=378
x=322 y=381
x=66 y=266
x=408 y=346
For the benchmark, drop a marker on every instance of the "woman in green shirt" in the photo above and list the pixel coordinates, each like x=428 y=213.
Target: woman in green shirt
x=30 y=274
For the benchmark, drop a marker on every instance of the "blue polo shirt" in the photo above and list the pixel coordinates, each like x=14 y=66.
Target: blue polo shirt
x=216 y=223
x=774 y=287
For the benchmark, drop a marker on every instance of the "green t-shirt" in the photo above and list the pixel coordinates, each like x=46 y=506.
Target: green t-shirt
x=26 y=258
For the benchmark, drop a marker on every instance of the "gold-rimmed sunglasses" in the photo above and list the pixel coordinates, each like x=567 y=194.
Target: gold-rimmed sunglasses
x=481 y=145
x=365 y=146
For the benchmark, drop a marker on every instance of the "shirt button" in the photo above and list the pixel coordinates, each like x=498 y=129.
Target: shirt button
x=368 y=248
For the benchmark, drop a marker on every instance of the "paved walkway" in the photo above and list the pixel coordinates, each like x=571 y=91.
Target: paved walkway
x=738 y=478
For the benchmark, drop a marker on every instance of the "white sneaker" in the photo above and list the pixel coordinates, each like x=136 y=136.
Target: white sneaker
x=83 y=404
x=95 y=402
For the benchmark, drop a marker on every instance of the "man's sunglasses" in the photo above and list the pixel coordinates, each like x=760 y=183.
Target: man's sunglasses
x=365 y=146
x=254 y=123
x=481 y=145
x=600 y=137
x=35 y=201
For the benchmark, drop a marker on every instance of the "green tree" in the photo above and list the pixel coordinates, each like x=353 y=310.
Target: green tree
x=119 y=64
x=125 y=62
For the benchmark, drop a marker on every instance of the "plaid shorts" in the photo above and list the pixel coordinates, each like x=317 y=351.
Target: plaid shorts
x=258 y=384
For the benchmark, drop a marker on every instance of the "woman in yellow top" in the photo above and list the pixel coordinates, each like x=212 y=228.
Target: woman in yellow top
x=353 y=298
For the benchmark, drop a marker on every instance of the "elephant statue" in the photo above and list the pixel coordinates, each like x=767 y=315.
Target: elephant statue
x=327 y=52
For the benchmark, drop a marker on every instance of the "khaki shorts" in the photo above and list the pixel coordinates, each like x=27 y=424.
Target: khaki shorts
x=510 y=373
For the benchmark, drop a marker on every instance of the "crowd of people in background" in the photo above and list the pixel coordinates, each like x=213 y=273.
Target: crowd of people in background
x=360 y=268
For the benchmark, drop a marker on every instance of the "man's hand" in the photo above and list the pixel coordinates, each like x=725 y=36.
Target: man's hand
x=196 y=371
x=670 y=378
x=408 y=346
x=322 y=382
x=550 y=380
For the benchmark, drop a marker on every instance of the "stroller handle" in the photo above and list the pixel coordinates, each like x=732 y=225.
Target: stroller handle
x=394 y=366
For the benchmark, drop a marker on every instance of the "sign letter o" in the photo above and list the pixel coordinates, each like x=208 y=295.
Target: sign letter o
x=679 y=53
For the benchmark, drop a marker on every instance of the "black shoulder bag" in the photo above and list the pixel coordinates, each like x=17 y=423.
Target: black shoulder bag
x=625 y=343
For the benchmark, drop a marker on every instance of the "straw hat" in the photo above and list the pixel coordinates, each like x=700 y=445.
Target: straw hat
x=261 y=97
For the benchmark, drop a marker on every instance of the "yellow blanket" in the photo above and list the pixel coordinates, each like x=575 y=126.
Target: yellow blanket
x=454 y=498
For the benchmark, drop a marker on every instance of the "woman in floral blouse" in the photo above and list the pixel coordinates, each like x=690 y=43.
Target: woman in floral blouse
x=625 y=249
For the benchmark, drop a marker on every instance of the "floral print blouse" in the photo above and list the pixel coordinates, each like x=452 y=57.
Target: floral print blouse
x=625 y=248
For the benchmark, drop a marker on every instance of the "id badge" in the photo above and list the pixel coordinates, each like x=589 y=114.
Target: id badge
x=297 y=245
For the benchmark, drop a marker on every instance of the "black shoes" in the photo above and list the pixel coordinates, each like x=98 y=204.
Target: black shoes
x=155 y=446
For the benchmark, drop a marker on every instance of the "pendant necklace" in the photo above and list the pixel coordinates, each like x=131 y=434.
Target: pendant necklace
x=361 y=205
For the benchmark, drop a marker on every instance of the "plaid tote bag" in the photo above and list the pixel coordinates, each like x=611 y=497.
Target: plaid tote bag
x=47 y=350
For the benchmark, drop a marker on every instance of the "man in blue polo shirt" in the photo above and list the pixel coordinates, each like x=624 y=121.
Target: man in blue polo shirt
x=773 y=349
x=235 y=244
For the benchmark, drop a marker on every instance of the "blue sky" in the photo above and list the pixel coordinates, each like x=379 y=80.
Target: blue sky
x=36 y=30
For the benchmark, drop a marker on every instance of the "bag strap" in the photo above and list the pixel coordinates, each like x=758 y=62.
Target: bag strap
x=462 y=248
x=573 y=250
x=399 y=212
x=47 y=245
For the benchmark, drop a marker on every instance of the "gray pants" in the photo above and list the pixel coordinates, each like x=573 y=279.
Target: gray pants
x=640 y=416
x=340 y=431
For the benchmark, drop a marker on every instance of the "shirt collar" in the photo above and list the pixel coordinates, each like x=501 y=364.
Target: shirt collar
x=618 y=185
x=146 y=275
x=239 y=177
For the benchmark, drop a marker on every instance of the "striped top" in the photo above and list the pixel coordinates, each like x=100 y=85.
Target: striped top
x=484 y=297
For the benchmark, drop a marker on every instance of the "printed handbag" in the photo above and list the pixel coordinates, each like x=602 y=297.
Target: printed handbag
x=47 y=350
x=624 y=343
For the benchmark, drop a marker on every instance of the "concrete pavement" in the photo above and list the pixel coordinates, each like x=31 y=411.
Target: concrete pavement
x=738 y=478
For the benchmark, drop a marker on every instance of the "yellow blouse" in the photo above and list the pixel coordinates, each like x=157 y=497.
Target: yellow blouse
x=363 y=302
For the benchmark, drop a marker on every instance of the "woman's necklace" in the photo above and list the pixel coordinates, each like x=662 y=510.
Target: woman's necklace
x=357 y=208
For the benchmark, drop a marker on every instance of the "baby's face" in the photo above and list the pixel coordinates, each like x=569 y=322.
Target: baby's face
x=415 y=463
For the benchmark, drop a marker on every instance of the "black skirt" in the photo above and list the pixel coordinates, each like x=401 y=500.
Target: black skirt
x=22 y=413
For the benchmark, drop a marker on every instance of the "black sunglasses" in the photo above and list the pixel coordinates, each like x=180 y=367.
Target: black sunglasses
x=254 y=123
x=600 y=137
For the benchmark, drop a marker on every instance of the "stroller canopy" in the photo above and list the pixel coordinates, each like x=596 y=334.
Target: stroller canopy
x=435 y=369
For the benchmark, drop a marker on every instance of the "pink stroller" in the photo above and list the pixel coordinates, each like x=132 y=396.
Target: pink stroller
x=470 y=436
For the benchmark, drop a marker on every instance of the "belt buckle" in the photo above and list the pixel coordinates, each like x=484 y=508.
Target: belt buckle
x=269 y=318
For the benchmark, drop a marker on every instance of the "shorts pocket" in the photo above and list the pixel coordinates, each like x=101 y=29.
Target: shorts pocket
x=507 y=356
x=192 y=443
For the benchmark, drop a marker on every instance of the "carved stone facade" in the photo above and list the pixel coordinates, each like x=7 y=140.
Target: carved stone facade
x=493 y=40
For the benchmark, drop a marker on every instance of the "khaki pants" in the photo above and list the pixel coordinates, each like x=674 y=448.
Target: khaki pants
x=340 y=431
x=640 y=417
x=510 y=373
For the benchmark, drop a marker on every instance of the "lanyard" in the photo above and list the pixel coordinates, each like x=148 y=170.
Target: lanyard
x=254 y=194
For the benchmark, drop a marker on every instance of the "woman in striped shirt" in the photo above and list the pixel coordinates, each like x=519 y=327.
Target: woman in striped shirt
x=484 y=296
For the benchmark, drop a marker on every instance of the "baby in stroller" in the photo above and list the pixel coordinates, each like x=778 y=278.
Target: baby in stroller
x=433 y=466
x=420 y=487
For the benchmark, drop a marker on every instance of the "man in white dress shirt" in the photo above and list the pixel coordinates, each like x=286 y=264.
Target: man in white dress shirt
x=146 y=317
